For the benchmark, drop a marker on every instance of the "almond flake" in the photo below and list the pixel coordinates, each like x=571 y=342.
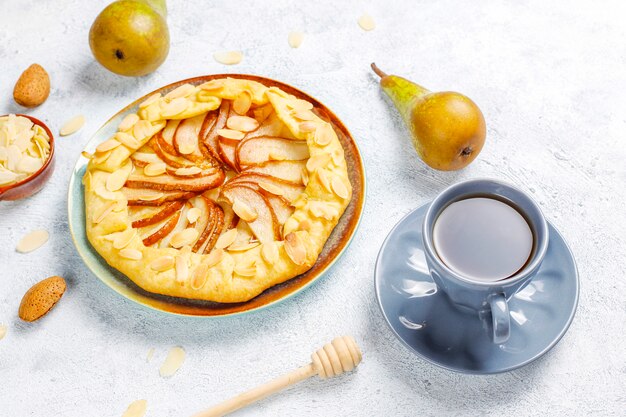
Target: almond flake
x=269 y=252
x=199 y=276
x=243 y=246
x=228 y=58
x=366 y=22
x=300 y=104
x=173 y=362
x=323 y=210
x=339 y=187
x=323 y=176
x=100 y=159
x=305 y=115
x=127 y=139
x=107 y=145
x=124 y=238
x=154 y=169
x=242 y=103
x=226 y=239
x=245 y=212
x=136 y=409
x=188 y=171
x=116 y=180
x=108 y=208
x=182 y=270
x=324 y=135
x=184 y=237
x=338 y=157
x=32 y=241
x=317 y=161
x=295 y=39
x=230 y=134
x=141 y=131
x=132 y=254
x=174 y=107
x=86 y=154
x=271 y=188
x=245 y=271
x=307 y=127
x=242 y=123
x=214 y=257
x=128 y=122
x=163 y=263
x=120 y=205
x=305 y=177
x=152 y=99
x=72 y=126
x=212 y=85
x=181 y=91
x=105 y=194
x=193 y=214
x=305 y=225
x=3 y=330
x=295 y=249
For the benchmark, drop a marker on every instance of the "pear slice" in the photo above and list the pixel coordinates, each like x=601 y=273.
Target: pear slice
x=265 y=225
x=145 y=215
x=209 y=134
x=151 y=197
x=151 y=235
x=227 y=149
x=167 y=182
x=171 y=158
x=180 y=225
x=166 y=136
x=144 y=157
x=280 y=205
x=270 y=126
x=291 y=191
x=290 y=171
x=261 y=149
x=207 y=208
x=186 y=138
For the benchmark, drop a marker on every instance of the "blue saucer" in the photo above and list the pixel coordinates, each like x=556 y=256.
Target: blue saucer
x=425 y=320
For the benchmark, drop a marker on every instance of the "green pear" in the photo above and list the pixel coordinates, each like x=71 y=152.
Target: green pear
x=130 y=37
x=447 y=128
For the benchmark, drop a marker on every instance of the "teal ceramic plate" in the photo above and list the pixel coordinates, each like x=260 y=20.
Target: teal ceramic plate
x=336 y=244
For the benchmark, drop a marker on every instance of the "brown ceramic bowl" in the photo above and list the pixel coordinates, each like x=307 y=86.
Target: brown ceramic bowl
x=334 y=247
x=30 y=185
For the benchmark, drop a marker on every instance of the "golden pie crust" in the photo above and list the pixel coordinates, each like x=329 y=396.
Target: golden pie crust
x=238 y=260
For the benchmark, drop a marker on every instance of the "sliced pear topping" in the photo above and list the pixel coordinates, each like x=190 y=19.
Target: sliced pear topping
x=154 y=169
x=193 y=214
x=269 y=252
x=242 y=103
x=271 y=188
x=307 y=127
x=132 y=254
x=182 y=269
x=244 y=211
x=163 y=263
x=317 y=161
x=228 y=57
x=295 y=249
x=366 y=22
x=242 y=123
x=231 y=134
x=199 y=277
x=152 y=99
x=188 y=171
x=127 y=140
x=150 y=196
x=184 y=237
x=245 y=270
x=295 y=39
x=215 y=257
x=339 y=187
x=122 y=239
x=107 y=145
x=128 y=122
x=226 y=239
x=243 y=246
x=174 y=107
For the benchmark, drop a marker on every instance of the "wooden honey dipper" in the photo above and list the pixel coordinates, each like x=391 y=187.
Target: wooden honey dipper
x=339 y=356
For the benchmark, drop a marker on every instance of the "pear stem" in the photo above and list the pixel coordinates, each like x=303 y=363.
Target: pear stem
x=378 y=71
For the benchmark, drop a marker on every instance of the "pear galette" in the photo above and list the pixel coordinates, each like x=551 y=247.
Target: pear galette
x=217 y=191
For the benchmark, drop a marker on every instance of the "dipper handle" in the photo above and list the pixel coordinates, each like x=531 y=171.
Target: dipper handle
x=339 y=356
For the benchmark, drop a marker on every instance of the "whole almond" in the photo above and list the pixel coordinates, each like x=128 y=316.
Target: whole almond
x=33 y=87
x=41 y=297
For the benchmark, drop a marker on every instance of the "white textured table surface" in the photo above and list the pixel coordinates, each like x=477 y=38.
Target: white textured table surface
x=550 y=78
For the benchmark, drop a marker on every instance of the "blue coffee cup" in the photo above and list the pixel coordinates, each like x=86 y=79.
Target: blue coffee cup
x=486 y=299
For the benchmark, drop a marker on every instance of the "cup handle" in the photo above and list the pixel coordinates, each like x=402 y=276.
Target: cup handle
x=500 y=318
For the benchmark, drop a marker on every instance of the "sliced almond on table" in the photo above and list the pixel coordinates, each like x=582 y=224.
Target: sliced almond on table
x=127 y=139
x=366 y=22
x=214 y=257
x=228 y=57
x=128 y=122
x=154 y=169
x=136 y=409
x=226 y=239
x=245 y=270
x=295 y=39
x=269 y=252
x=242 y=103
x=163 y=263
x=199 y=276
x=193 y=214
x=122 y=239
x=271 y=188
x=132 y=254
x=174 y=107
x=152 y=99
x=295 y=249
x=243 y=246
x=230 y=134
x=317 y=161
x=182 y=269
x=173 y=361
x=72 y=126
x=184 y=237
x=32 y=241
x=339 y=187
x=308 y=127
x=107 y=145
x=242 y=123
x=3 y=331
x=244 y=211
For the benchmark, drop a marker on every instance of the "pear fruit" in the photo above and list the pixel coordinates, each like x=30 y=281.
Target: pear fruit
x=447 y=128
x=131 y=37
